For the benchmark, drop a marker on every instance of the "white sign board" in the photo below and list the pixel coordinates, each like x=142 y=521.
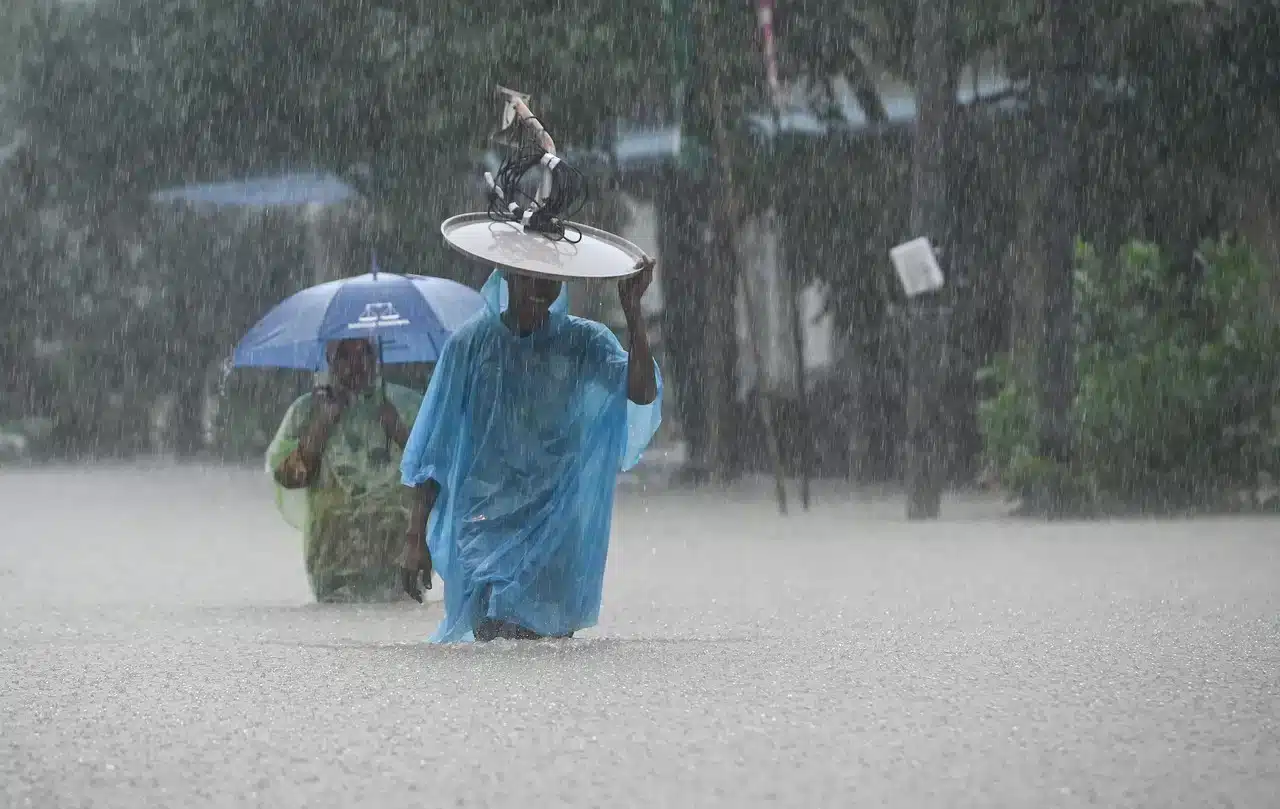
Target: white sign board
x=917 y=267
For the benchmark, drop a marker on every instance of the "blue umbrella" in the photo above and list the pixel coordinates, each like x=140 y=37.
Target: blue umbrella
x=409 y=316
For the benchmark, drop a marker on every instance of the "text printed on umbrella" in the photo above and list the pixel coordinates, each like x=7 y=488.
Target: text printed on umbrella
x=378 y=315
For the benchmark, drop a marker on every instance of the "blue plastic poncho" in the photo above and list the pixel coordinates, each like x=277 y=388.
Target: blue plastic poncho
x=525 y=436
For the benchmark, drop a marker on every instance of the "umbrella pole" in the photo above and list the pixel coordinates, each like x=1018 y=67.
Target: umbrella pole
x=382 y=376
x=382 y=388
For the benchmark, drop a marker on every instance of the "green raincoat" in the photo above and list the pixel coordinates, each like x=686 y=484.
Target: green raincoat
x=354 y=513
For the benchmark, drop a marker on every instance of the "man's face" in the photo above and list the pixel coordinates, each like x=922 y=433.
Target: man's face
x=351 y=364
x=532 y=296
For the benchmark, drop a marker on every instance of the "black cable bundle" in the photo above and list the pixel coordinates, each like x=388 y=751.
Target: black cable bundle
x=509 y=201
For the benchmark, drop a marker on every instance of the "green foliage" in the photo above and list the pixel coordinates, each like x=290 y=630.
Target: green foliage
x=122 y=97
x=107 y=311
x=1177 y=394
x=143 y=92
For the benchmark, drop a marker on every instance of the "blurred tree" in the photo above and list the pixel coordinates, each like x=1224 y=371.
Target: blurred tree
x=19 y=19
x=121 y=97
x=719 y=75
x=194 y=313
x=139 y=94
x=1176 y=91
x=1065 y=84
x=1176 y=393
x=936 y=72
x=1174 y=99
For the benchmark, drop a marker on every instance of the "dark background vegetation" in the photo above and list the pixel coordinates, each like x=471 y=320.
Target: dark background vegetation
x=1150 y=136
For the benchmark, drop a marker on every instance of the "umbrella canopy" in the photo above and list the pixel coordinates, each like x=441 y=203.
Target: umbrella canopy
x=409 y=316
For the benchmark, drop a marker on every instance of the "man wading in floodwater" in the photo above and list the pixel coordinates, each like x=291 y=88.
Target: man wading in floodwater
x=341 y=444
x=514 y=456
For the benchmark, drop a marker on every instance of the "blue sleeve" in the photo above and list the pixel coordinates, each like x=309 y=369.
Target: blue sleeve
x=608 y=361
x=438 y=428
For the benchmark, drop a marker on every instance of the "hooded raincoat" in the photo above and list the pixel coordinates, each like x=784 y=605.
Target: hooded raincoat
x=525 y=436
x=354 y=512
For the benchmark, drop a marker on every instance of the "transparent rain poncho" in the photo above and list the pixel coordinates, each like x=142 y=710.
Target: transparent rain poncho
x=525 y=436
x=354 y=514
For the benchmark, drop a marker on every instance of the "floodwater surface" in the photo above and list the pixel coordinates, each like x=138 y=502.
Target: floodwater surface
x=158 y=648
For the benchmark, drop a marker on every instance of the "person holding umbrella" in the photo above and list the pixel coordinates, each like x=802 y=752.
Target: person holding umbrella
x=342 y=444
x=335 y=457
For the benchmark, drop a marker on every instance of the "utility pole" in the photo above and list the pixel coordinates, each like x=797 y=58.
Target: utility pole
x=931 y=218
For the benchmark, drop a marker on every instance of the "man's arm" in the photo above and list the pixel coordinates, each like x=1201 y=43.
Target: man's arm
x=417 y=556
x=424 y=500
x=394 y=427
x=642 y=383
x=430 y=453
x=400 y=435
x=299 y=468
x=315 y=439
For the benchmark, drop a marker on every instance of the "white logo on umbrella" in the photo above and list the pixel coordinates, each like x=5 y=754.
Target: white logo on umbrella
x=377 y=316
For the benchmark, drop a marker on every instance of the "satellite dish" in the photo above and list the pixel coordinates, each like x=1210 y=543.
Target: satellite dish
x=524 y=233
x=596 y=255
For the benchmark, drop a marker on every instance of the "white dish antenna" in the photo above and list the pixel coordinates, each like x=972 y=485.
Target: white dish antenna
x=596 y=255
x=558 y=249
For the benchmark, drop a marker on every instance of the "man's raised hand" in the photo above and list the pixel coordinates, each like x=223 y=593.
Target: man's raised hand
x=632 y=288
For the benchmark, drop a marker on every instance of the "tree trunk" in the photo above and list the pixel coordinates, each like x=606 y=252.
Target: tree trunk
x=682 y=250
x=716 y=358
x=186 y=427
x=727 y=216
x=935 y=76
x=1065 y=97
x=716 y=285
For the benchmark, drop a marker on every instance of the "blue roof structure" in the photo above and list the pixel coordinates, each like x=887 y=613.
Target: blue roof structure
x=637 y=147
x=282 y=190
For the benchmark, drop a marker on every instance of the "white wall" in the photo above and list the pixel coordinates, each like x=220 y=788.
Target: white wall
x=771 y=313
